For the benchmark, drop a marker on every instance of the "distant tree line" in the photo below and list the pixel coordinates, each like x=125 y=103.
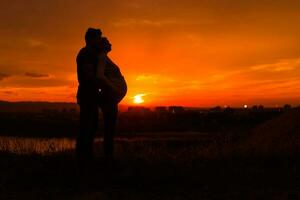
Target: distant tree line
x=65 y=122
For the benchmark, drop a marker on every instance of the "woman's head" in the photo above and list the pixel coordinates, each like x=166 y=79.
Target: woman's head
x=105 y=45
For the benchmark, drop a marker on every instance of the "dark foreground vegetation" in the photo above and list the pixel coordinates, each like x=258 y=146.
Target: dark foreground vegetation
x=256 y=159
x=155 y=174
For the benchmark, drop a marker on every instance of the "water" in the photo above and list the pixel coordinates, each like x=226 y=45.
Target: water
x=148 y=142
x=42 y=146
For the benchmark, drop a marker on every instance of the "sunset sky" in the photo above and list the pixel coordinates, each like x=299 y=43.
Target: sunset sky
x=185 y=52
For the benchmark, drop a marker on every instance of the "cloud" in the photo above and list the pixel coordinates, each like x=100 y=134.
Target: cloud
x=54 y=93
x=36 y=75
x=33 y=42
x=129 y=22
x=8 y=92
x=4 y=76
x=282 y=65
x=154 y=79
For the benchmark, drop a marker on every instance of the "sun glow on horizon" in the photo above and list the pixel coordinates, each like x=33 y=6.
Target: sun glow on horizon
x=138 y=99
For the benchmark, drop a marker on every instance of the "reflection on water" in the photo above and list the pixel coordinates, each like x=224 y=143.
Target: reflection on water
x=43 y=146
x=148 y=144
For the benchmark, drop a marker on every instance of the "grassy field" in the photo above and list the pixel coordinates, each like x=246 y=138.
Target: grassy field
x=193 y=166
x=259 y=164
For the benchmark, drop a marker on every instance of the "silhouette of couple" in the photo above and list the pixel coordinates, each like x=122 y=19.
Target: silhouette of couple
x=101 y=85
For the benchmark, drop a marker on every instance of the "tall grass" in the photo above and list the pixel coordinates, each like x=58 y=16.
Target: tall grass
x=41 y=146
x=146 y=148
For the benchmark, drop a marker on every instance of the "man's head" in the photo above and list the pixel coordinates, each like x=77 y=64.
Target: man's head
x=93 y=37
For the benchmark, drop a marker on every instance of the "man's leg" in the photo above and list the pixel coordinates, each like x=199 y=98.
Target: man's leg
x=110 y=114
x=87 y=128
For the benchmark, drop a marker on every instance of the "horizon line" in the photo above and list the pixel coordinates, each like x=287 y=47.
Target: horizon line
x=140 y=105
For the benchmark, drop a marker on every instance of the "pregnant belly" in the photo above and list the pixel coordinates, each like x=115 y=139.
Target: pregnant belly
x=115 y=96
x=121 y=85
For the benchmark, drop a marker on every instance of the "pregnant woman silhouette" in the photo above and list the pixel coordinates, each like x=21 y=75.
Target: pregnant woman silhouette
x=112 y=90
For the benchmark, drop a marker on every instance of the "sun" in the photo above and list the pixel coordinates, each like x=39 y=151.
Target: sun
x=138 y=99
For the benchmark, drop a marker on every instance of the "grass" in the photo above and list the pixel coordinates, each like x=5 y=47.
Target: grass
x=193 y=166
x=147 y=145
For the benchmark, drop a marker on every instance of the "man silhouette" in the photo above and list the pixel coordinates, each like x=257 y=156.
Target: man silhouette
x=87 y=92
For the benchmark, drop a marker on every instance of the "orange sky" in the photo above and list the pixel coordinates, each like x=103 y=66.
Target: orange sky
x=191 y=53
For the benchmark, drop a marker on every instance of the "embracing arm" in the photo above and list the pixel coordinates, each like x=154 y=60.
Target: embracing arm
x=87 y=73
x=101 y=62
x=102 y=80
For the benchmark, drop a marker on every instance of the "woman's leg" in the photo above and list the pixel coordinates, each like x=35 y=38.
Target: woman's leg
x=110 y=114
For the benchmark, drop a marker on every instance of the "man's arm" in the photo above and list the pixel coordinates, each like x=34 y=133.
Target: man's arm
x=102 y=81
x=88 y=73
x=97 y=79
x=101 y=62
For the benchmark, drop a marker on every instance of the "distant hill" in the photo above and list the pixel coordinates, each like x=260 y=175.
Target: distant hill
x=6 y=106
x=278 y=135
x=32 y=106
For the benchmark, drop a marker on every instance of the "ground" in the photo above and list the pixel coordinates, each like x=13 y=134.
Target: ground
x=149 y=168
